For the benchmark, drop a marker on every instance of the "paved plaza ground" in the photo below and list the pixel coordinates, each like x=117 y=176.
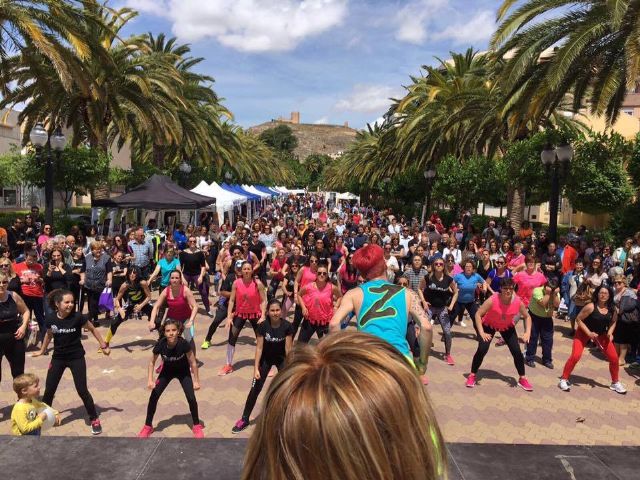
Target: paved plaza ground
x=496 y=411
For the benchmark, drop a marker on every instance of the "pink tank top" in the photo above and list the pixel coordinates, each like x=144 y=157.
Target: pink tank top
x=500 y=316
x=319 y=303
x=177 y=307
x=307 y=277
x=247 y=299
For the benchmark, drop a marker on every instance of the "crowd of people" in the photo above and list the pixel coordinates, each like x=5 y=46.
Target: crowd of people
x=303 y=267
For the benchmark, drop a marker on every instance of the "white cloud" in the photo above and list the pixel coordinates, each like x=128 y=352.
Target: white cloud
x=478 y=29
x=368 y=99
x=324 y=120
x=413 y=19
x=248 y=25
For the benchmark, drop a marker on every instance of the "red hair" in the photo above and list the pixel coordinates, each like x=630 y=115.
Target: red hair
x=369 y=261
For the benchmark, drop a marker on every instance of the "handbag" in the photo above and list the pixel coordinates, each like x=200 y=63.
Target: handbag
x=106 y=300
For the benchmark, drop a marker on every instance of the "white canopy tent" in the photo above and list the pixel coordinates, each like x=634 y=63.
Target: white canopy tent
x=227 y=198
x=347 y=196
x=252 y=189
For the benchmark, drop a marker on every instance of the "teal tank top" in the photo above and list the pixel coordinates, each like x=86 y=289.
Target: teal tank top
x=384 y=313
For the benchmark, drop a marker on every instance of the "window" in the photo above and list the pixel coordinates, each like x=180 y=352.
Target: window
x=628 y=111
x=9 y=197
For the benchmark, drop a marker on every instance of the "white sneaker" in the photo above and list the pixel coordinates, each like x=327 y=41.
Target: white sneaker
x=433 y=321
x=618 y=388
x=462 y=324
x=564 y=385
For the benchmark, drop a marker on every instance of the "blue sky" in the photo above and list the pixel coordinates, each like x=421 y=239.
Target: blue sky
x=331 y=60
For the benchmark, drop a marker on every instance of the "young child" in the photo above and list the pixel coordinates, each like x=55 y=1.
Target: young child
x=25 y=419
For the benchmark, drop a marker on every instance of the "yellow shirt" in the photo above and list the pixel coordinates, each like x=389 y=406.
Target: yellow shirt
x=25 y=419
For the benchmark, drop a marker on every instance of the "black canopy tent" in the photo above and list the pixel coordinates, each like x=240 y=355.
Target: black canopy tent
x=159 y=192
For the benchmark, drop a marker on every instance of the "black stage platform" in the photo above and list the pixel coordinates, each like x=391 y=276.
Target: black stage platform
x=70 y=458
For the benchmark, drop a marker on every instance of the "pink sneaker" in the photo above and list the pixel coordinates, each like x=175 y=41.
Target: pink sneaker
x=450 y=360
x=424 y=379
x=226 y=370
x=524 y=383
x=146 y=432
x=197 y=431
x=471 y=380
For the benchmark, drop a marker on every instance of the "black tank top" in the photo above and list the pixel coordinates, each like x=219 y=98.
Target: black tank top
x=437 y=292
x=9 y=316
x=597 y=322
x=135 y=295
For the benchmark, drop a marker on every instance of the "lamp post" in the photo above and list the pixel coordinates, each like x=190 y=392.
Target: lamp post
x=429 y=176
x=56 y=142
x=185 y=170
x=228 y=177
x=556 y=161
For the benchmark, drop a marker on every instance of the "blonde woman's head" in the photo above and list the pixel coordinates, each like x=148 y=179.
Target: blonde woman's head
x=349 y=408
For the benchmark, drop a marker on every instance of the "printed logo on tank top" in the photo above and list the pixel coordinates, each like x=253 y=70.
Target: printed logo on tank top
x=167 y=358
x=380 y=308
x=57 y=330
x=269 y=338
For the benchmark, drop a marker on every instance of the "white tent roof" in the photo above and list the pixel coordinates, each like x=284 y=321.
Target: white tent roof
x=347 y=196
x=226 y=196
x=252 y=189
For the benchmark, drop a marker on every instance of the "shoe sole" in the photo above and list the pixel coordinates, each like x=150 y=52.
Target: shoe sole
x=525 y=389
x=619 y=393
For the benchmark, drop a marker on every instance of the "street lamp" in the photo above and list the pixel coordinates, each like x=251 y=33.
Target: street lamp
x=185 y=170
x=41 y=139
x=556 y=161
x=429 y=175
x=228 y=177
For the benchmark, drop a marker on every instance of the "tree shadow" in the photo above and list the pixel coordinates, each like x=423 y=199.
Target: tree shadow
x=565 y=330
x=577 y=380
x=246 y=340
x=143 y=342
x=80 y=413
x=468 y=336
x=632 y=372
x=493 y=375
x=178 y=419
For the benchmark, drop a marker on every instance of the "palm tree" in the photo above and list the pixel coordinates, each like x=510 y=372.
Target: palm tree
x=586 y=49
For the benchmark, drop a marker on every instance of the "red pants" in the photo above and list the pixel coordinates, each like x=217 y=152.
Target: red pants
x=579 y=342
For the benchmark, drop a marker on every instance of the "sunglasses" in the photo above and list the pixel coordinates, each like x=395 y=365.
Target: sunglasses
x=499 y=263
x=438 y=264
x=618 y=283
x=4 y=282
x=192 y=241
x=313 y=261
x=321 y=273
x=4 y=265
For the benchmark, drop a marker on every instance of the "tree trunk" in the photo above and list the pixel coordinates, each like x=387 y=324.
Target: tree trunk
x=515 y=206
x=158 y=155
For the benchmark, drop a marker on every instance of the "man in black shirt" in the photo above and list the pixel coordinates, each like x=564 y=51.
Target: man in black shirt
x=16 y=237
x=324 y=257
x=259 y=249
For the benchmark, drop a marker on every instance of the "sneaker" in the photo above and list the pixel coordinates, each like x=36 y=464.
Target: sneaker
x=159 y=368
x=96 y=428
x=564 y=385
x=225 y=370
x=524 y=383
x=424 y=379
x=146 y=432
x=549 y=365
x=206 y=344
x=471 y=380
x=618 y=388
x=240 y=425
x=210 y=313
x=531 y=364
x=197 y=431
x=462 y=324
x=450 y=360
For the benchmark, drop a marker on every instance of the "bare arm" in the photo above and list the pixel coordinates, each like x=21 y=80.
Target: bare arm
x=94 y=331
x=524 y=313
x=194 y=369
x=482 y=311
x=288 y=343
x=426 y=333
x=156 y=309
x=155 y=273
x=191 y=300
x=232 y=303
x=150 y=383
x=258 y=356
x=26 y=315
x=584 y=313
x=345 y=308
x=263 y=300
x=454 y=289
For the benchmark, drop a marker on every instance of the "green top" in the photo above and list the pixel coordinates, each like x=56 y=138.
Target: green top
x=536 y=308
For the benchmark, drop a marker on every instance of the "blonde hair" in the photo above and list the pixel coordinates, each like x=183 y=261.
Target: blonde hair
x=5 y=276
x=96 y=245
x=349 y=408
x=621 y=278
x=23 y=381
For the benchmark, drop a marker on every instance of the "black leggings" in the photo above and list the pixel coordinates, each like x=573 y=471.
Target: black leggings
x=238 y=325
x=14 y=351
x=93 y=299
x=78 y=369
x=146 y=310
x=256 y=385
x=297 y=319
x=307 y=330
x=221 y=314
x=187 y=387
x=511 y=339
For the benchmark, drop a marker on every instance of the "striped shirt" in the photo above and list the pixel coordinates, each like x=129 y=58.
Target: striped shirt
x=415 y=277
